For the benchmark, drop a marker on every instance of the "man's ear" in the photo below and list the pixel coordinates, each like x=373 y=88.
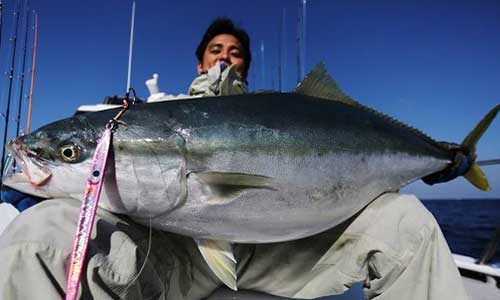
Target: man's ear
x=199 y=68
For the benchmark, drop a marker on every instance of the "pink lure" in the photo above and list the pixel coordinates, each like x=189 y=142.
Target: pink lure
x=87 y=214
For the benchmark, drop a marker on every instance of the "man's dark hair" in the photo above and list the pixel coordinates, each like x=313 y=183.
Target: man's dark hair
x=225 y=26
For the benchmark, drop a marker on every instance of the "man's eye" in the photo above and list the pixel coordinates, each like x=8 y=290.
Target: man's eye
x=236 y=54
x=215 y=51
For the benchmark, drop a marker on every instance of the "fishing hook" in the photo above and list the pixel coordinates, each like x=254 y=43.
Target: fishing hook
x=115 y=121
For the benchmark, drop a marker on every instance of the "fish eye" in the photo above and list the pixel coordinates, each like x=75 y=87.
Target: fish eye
x=70 y=153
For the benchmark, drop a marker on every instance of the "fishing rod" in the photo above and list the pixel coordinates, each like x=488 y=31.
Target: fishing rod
x=130 y=47
x=282 y=53
x=303 y=54
x=489 y=162
x=23 y=66
x=1 y=19
x=297 y=38
x=11 y=76
x=301 y=36
x=32 y=81
x=262 y=65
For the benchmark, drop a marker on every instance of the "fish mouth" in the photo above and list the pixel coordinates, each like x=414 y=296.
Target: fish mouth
x=33 y=167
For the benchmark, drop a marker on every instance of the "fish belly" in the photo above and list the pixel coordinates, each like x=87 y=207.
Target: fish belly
x=309 y=196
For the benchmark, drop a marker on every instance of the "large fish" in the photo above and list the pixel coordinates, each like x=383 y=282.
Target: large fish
x=252 y=168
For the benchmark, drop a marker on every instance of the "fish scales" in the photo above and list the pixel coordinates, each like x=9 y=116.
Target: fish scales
x=319 y=161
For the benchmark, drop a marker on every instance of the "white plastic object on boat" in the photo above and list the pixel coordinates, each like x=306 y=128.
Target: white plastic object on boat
x=154 y=89
x=469 y=263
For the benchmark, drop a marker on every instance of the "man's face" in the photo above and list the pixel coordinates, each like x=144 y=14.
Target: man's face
x=223 y=48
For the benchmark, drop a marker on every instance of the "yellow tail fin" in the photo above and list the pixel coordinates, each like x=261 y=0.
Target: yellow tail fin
x=475 y=175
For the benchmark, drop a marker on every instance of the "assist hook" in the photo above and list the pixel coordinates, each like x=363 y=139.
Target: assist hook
x=115 y=121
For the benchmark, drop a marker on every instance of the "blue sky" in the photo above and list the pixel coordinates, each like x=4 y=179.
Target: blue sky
x=432 y=64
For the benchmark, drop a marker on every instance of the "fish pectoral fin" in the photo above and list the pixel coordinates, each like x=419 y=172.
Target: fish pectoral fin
x=225 y=184
x=220 y=258
x=318 y=83
x=235 y=179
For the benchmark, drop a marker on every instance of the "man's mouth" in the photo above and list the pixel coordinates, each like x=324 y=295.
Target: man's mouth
x=31 y=165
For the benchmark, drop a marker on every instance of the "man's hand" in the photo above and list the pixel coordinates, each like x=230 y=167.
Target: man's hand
x=240 y=69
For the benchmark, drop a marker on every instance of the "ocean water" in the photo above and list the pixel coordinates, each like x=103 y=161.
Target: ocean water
x=467 y=224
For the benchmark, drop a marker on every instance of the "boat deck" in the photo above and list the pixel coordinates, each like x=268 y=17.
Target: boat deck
x=480 y=287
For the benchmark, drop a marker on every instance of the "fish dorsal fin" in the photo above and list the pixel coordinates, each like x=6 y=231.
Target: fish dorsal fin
x=318 y=83
x=220 y=258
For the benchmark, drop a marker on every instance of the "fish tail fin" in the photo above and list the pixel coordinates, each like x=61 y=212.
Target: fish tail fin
x=477 y=178
x=475 y=175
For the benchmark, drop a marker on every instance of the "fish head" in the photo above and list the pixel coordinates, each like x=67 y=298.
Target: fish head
x=54 y=159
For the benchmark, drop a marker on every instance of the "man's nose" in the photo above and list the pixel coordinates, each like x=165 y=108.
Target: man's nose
x=224 y=56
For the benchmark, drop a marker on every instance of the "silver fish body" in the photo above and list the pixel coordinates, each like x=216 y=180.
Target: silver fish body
x=253 y=168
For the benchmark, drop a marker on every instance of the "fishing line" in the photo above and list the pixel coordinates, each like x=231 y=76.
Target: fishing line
x=155 y=155
x=150 y=237
x=158 y=162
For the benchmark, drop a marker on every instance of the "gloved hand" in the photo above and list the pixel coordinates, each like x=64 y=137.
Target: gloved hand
x=17 y=199
x=460 y=165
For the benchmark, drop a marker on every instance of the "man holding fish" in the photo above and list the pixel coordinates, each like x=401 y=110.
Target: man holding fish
x=392 y=244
